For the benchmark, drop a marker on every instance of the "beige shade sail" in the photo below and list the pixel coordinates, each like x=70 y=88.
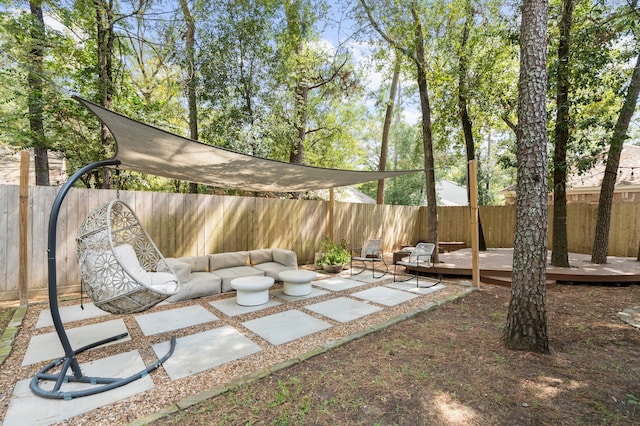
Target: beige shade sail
x=147 y=149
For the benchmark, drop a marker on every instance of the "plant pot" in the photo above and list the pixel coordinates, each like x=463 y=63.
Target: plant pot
x=317 y=257
x=332 y=269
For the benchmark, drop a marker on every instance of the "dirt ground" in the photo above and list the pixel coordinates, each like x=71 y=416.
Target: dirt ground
x=449 y=367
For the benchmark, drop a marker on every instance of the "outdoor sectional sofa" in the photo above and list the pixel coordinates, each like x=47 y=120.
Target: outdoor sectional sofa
x=212 y=274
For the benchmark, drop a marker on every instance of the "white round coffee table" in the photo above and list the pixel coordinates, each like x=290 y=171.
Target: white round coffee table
x=252 y=291
x=297 y=282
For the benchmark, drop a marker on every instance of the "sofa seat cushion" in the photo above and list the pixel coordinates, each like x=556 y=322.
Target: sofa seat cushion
x=272 y=269
x=228 y=274
x=228 y=260
x=160 y=282
x=201 y=284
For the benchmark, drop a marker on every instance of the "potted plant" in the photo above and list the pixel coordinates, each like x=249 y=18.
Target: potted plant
x=334 y=256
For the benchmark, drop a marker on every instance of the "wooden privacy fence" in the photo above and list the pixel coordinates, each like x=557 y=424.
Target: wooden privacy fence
x=189 y=224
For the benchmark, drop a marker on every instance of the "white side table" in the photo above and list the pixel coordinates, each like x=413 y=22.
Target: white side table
x=252 y=291
x=297 y=282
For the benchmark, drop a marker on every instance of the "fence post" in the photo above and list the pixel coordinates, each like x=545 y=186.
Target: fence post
x=23 y=256
x=475 y=239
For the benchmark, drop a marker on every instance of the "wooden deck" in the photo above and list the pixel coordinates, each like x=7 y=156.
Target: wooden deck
x=496 y=267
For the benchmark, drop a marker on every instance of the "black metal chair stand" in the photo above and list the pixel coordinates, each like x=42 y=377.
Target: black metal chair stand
x=69 y=360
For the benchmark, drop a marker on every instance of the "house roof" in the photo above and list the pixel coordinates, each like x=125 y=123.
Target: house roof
x=451 y=194
x=589 y=182
x=628 y=178
x=10 y=167
x=345 y=194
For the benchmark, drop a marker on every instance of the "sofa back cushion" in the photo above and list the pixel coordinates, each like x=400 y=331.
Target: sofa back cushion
x=197 y=263
x=285 y=257
x=228 y=260
x=181 y=269
x=260 y=256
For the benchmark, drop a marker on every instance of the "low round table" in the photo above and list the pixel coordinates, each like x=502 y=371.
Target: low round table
x=297 y=282
x=252 y=291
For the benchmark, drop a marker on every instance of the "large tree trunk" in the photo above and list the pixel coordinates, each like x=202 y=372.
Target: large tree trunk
x=601 y=239
x=296 y=155
x=190 y=38
x=36 y=106
x=427 y=139
x=105 y=23
x=386 y=129
x=467 y=125
x=419 y=58
x=526 y=327
x=560 y=251
x=295 y=33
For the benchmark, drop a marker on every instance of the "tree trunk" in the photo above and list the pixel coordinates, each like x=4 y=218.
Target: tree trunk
x=190 y=37
x=295 y=33
x=386 y=129
x=427 y=139
x=467 y=125
x=560 y=251
x=526 y=327
x=601 y=239
x=36 y=106
x=105 y=23
x=296 y=155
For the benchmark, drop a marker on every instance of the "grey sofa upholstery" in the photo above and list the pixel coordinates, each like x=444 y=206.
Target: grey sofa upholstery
x=211 y=274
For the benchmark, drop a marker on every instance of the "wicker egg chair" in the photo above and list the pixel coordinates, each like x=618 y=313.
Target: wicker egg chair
x=121 y=268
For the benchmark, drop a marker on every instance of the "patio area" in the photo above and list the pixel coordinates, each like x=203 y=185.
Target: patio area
x=219 y=344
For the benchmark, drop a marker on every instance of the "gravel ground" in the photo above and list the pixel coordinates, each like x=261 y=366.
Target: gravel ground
x=166 y=391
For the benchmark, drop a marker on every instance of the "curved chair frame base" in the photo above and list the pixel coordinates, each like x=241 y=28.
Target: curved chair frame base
x=417 y=263
x=373 y=261
x=102 y=384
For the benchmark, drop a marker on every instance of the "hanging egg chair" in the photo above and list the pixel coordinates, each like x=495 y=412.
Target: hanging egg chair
x=121 y=268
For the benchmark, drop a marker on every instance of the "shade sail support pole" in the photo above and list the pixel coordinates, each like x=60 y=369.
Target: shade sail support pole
x=331 y=209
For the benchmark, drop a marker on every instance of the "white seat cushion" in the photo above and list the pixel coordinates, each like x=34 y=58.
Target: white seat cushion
x=162 y=282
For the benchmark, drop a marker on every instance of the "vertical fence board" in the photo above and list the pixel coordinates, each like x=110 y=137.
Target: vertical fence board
x=83 y=208
x=39 y=234
x=5 y=224
x=11 y=256
x=66 y=232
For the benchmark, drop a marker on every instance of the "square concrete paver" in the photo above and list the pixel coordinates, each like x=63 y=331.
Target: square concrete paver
x=286 y=326
x=315 y=292
x=46 y=347
x=367 y=276
x=70 y=314
x=343 y=309
x=26 y=408
x=230 y=307
x=385 y=296
x=411 y=286
x=337 y=284
x=173 y=319
x=203 y=351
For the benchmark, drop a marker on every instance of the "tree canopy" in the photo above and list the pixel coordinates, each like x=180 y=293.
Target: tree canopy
x=309 y=80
